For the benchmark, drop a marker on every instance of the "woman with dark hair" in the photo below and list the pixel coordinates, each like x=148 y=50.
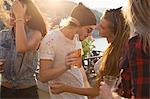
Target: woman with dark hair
x=20 y=45
x=113 y=27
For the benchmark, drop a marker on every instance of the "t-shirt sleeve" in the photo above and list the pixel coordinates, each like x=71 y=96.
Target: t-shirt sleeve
x=47 y=48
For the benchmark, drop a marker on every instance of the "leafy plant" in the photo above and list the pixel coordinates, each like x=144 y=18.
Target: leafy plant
x=87 y=45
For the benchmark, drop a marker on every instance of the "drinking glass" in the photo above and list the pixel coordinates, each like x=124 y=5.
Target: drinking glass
x=76 y=53
x=110 y=81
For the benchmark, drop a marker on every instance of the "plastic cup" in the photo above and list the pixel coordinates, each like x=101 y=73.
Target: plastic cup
x=110 y=81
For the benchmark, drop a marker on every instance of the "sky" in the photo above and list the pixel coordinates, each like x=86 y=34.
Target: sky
x=102 y=3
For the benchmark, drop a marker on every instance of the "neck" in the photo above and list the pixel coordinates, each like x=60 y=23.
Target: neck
x=110 y=39
x=68 y=32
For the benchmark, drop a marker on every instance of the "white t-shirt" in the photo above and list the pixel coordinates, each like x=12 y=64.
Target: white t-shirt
x=55 y=46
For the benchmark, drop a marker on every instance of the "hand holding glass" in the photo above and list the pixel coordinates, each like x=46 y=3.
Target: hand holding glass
x=76 y=53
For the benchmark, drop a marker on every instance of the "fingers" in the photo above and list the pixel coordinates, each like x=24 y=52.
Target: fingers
x=71 y=56
x=56 y=88
x=19 y=9
x=102 y=83
x=53 y=92
x=72 y=59
x=56 y=85
x=72 y=62
x=17 y=3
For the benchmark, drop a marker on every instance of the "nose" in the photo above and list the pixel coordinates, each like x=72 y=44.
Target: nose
x=89 y=34
x=98 y=26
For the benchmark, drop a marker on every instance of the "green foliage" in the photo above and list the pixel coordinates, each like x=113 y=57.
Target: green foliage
x=87 y=45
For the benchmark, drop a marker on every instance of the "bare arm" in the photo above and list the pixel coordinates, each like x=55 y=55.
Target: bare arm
x=58 y=88
x=83 y=91
x=47 y=72
x=85 y=79
x=86 y=82
x=24 y=43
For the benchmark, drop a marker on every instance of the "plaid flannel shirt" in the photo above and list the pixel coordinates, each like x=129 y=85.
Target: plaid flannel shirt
x=135 y=77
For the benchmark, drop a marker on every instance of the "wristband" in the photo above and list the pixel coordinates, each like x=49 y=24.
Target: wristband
x=19 y=19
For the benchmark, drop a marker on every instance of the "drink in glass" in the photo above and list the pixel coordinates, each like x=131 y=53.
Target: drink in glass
x=76 y=53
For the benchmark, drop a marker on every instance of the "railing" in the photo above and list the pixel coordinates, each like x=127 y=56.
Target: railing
x=89 y=63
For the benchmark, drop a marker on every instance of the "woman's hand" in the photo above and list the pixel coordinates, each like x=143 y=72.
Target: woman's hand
x=19 y=9
x=105 y=91
x=58 y=88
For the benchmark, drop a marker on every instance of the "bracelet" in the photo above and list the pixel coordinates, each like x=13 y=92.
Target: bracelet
x=19 y=19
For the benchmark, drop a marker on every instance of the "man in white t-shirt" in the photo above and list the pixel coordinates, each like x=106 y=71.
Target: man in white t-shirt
x=55 y=61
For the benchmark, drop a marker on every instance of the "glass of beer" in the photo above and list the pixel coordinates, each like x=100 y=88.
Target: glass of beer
x=76 y=53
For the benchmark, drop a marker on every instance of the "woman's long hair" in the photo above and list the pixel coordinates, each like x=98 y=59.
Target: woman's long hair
x=110 y=59
x=139 y=16
x=36 y=22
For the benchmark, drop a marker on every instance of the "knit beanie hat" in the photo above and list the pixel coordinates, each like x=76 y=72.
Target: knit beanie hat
x=84 y=15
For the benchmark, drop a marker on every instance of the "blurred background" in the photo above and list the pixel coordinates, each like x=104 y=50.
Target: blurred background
x=55 y=10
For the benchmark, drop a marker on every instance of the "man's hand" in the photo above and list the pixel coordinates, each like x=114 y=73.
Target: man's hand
x=74 y=59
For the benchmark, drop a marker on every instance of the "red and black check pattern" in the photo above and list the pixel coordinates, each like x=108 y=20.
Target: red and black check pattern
x=136 y=71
